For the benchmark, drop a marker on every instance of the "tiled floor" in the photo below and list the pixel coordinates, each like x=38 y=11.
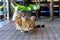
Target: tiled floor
x=50 y=32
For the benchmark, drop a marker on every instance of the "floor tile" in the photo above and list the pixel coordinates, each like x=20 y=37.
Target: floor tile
x=50 y=32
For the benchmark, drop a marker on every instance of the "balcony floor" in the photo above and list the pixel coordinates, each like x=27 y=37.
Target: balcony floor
x=50 y=32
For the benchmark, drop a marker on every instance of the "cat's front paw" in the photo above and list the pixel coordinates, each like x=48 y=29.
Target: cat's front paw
x=22 y=30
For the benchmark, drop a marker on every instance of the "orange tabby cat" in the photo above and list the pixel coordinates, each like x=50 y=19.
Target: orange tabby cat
x=25 y=24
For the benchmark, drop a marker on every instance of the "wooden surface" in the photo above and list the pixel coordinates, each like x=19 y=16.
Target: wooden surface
x=50 y=32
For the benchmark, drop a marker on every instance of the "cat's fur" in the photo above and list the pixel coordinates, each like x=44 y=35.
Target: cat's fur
x=25 y=24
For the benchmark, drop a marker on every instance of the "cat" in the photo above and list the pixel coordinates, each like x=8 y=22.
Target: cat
x=23 y=23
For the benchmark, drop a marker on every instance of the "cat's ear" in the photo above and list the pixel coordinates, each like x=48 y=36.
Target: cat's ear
x=32 y=18
x=23 y=19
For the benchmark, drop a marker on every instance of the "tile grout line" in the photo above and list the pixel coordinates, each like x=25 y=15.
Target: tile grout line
x=41 y=34
x=56 y=31
x=4 y=33
x=23 y=36
x=47 y=33
x=52 y=32
x=7 y=35
x=12 y=35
